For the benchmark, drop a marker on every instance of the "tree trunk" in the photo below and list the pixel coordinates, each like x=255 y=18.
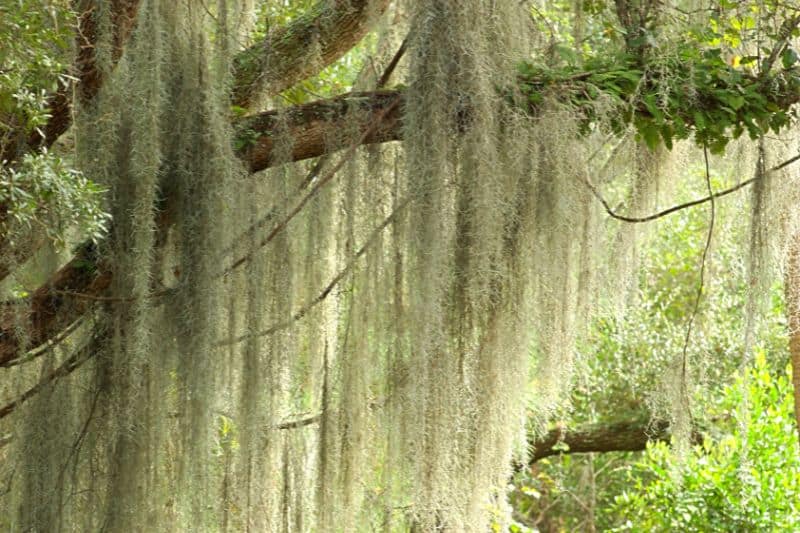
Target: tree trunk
x=792 y=291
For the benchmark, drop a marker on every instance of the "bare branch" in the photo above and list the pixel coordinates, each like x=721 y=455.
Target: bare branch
x=710 y=198
x=782 y=41
x=300 y=423
x=303 y=311
x=69 y=365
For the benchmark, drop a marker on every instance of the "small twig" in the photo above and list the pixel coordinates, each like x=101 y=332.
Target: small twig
x=665 y=212
x=700 y=287
x=387 y=73
x=303 y=311
x=49 y=345
x=94 y=297
x=302 y=422
x=76 y=446
x=785 y=163
x=98 y=298
x=67 y=367
x=673 y=209
x=784 y=34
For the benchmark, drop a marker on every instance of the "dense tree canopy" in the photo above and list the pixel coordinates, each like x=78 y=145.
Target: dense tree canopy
x=297 y=266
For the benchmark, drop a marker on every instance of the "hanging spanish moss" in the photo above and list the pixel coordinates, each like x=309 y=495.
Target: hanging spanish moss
x=343 y=344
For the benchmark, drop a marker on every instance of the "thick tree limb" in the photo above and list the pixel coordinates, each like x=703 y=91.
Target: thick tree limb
x=320 y=127
x=625 y=436
x=303 y=47
x=51 y=308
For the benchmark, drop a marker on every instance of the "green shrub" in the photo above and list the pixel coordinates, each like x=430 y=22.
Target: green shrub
x=747 y=479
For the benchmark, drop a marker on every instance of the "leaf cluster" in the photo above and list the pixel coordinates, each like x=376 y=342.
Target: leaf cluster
x=35 y=46
x=42 y=190
x=725 y=485
x=691 y=93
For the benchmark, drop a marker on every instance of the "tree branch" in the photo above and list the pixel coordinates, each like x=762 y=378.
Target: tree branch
x=302 y=48
x=781 y=42
x=316 y=128
x=668 y=211
x=51 y=309
x=69 y=293
x=69 y=365
x=624 y=436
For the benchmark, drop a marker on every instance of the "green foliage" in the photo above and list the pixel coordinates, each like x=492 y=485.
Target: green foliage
x=43 y=191
x=35 y=39
x=692 y=91
x=746 y=480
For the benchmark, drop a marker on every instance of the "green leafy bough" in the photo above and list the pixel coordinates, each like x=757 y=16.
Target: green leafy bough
x=689 y=92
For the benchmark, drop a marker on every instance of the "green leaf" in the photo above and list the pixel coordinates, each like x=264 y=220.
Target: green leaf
x=699 y=120
x=789 y=58
x=652 y=107
x=736 y=101
x=666 y=134
x=650 y=134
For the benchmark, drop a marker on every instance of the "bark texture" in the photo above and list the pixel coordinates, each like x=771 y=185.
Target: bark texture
x=302 y=48
x=624 y=436
x=792 y=287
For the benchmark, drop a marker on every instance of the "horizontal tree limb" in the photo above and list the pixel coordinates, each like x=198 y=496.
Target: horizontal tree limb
x=320 y=127
x=624 y=436
x=265 y=139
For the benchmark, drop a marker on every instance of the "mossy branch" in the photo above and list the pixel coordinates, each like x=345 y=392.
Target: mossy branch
x=692 y=93
x=302 y=48
x=312 y=125
x=622 y=436
x=50 y=309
